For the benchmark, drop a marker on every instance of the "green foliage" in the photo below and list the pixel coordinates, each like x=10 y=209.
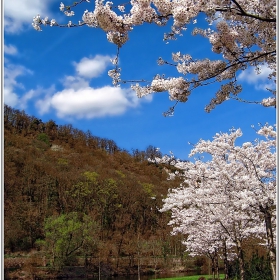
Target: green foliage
x=148 y=189
x=107 y=201
x=65 y=235
x=91 y=176
x=79 y=190
x=121 y=174
x=257 y=268
x=107 y=191
x=44 y=137
x=62 y=161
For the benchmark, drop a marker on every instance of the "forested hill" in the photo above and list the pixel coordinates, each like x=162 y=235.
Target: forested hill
x=56 y=174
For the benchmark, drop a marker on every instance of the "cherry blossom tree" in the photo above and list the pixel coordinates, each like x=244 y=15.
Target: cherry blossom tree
x=233 y=193
x=242 y=33
x=210 y=241
x=204 y=235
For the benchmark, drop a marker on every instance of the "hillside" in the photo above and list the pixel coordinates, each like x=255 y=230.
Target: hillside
x=71 y=198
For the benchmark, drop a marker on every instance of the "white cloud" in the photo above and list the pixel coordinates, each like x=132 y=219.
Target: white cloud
x=89 y=102
x=11 y=72
x=44 y=104
x=74 y=82
x=34 y=93
x=92 y=67
x=259 y=80
x=77 y=99
x=10 y=49
x=19 y=13
x=10 y=97
x=11 y=86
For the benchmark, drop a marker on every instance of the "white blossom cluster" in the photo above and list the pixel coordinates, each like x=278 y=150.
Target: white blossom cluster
x=115 y=74
x=269 y=102
x=229 y=198
x=242 y=32
x=141 y=91
x=37 y=22
x=269 y=132
x=177 y=88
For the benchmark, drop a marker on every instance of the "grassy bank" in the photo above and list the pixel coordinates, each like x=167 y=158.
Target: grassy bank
x=194 y=277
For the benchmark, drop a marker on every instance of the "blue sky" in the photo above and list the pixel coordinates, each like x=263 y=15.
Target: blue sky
x=61 y=74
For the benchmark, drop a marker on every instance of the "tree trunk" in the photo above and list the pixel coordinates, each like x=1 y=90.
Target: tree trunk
x=120 y=247
x=225 y=260
x=241 y=260
x=213 y=266
x=99 y=268
x=216 y=263
x=138 y=254
x=270 y=240
x=139 y=275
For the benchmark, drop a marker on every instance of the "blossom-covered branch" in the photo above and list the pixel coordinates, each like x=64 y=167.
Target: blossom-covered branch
x=242 y=32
